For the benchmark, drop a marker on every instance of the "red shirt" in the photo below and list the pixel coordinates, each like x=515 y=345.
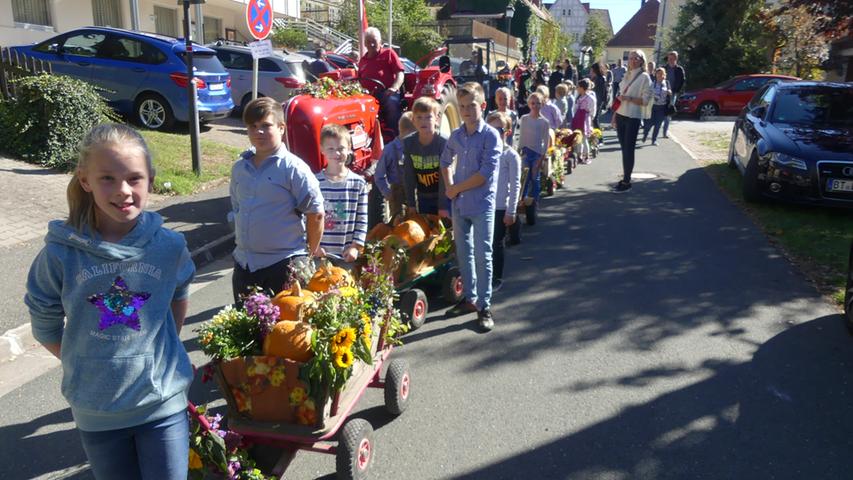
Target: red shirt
x=383 y=67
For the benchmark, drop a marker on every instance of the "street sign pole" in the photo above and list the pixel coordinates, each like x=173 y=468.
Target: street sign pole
x=254 y=77
x=259 y=18
x=191 y=90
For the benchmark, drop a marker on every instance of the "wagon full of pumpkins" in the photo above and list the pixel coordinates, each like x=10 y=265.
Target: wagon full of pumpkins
x=292 y=366
x=417 y=248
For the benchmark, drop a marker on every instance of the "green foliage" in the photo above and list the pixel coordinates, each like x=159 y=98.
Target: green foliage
x=550 y=42
x=738 y=43
x=596 y=36
x=799 y=51
x=409 y=17
x=291 y=38
x=232 y=333
x=48 y=117
x=420 y=42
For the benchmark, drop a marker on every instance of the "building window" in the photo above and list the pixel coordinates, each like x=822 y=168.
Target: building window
x=31 y=11
x=212 y=29
x=625 y=55
x=570 y=13
x=166 y=21
x=106 y=13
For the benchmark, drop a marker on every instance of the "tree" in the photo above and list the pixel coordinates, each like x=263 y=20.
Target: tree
x=290 y=38
x=718 y=39
x=799 y=50
x=833 y=18
x=595 y=36
x=409 y=18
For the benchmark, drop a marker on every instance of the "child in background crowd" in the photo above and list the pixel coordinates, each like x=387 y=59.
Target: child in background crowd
x=107 y=295
x=534 y=142
x=388 y=177
x=549 y=110
x=471 y=186
x=561 y=101
x=502 y=96
x=570 y=103
x=345 y=196
x=506 y=195
x=424 y=190
x=582 y=119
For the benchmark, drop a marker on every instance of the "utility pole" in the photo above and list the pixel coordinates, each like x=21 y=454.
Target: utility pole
x=191 y=89
x=390 y=21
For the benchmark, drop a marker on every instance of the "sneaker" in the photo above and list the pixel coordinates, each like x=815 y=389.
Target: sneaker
x=665 y=136
x=655 y=142
x=622 y=186
x=484 y=318
x=461 y=308
x=497 y=284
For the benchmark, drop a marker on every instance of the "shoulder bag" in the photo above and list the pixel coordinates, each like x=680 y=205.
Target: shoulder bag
x=618 y=103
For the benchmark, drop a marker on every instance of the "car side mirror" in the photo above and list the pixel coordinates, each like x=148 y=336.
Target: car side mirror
x=759 y=111
x=53 y=48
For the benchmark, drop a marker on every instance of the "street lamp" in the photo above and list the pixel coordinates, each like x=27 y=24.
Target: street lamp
x=191 y=87
x=510 y=12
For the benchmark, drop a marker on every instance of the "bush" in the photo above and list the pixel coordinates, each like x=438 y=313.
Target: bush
x=290 y=38
x=416 y=43
x=48 y=117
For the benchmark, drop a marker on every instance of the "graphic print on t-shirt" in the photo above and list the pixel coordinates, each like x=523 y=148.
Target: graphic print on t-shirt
x=426 y=172
x=119 y=305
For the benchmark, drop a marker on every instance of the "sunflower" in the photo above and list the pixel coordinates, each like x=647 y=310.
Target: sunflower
x=344 y=338
x=344 y=358
x=348 y=291
x=195 y=460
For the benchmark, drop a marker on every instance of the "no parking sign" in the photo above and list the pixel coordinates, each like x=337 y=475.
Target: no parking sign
x=259 y=18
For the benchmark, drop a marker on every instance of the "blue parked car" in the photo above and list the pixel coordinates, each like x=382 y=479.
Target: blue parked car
x=144 y=75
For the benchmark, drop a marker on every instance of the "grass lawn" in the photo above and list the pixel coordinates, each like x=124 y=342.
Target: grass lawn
x=173 y=161
x=816 y=239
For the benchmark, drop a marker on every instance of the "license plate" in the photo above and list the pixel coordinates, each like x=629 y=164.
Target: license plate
x=217 y=86
x=836 y=185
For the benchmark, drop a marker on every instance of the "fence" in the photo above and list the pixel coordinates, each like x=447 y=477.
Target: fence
x=317 y=32
x=13 y=65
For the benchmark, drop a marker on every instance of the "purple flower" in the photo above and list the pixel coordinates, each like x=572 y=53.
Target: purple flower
x=259 y=305
x=232 y=440
x=233 y=469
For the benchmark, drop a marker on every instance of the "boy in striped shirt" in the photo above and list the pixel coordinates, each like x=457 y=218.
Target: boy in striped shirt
x=345 y=195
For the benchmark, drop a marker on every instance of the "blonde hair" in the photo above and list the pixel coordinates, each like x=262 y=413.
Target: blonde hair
x=536 y=95
x=661 y=70
x=406 y=124
x=426 y=105
x=472 y=89
x=501 y=117
x=543 y=90
x=338 y=132
x=561 y=88
x=506 y=91
x=259 y=108
x=81 y=204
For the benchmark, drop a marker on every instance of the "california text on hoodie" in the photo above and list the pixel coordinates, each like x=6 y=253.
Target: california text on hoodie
x=122 y=360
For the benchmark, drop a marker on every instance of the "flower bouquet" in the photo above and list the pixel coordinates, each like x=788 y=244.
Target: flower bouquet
x=218 y=451
x=282 y=358
x=326 y=88
x=594 y=141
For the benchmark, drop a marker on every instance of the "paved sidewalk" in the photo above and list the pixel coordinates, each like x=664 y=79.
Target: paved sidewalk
x=31 y=196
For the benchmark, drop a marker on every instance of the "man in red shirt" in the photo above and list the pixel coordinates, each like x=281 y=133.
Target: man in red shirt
x=384 y=66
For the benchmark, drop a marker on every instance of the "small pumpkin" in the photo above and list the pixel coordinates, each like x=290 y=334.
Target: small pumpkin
x=422 y=220
x=380 y=231
x=290 y=301
x=328 y=276
x=289 y=339
x=411 y=232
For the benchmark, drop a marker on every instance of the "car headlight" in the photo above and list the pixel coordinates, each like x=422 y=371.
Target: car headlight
x=786 y=160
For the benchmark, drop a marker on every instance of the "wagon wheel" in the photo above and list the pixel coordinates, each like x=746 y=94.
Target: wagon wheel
x=414 y=308
x=452 y=288
x=397 y=387
x=450 y=119
x=355 y=450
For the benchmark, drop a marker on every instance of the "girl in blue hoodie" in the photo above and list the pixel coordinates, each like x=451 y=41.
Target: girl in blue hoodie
x=108 y=295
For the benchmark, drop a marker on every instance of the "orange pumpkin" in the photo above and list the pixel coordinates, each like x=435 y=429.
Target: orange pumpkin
x=327 y=277
x=411 y=232
x=289 y=339
x=422 y=220
x=380 y=231
x=290 y=301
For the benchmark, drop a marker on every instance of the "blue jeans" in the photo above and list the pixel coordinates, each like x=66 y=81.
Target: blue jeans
x=528 y=159
x=658 y=114
x=666 y=118
x=391 y=110
x=157 y=450
x=473 y=237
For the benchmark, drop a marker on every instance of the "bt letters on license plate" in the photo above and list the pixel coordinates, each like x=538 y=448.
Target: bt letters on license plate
x=835 y=185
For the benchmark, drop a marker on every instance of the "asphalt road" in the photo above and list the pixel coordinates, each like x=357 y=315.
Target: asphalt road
x=645 y=335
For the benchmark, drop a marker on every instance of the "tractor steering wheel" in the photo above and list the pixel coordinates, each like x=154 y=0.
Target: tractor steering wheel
x=372 y=85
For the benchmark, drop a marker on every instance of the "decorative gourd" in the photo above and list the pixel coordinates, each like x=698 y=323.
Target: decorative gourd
x=411 y=232
x=380 y=231
x=290 y=301
x=329 y=276
x=421 y=220
x=289 y=339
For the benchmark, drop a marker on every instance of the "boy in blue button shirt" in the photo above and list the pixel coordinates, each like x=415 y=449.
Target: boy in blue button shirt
x=277 y=204
x=471 y=186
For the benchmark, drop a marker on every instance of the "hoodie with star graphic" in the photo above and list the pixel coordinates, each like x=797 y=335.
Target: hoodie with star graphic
x=109 y=304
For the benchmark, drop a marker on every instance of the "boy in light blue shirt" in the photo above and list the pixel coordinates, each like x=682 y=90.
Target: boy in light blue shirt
x=277 y=204
x=477 y=149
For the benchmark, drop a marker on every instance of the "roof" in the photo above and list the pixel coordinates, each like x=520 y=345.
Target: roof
x=640 y=29
x=486 y=8
x=603 y=15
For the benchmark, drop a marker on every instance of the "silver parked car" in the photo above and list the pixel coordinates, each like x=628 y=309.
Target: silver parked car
x=278 y=76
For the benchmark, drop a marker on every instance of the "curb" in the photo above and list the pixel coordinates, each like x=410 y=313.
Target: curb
x=16 y=341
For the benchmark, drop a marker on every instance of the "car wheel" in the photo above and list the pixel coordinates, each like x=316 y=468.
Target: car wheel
x=707 y=109
x=732 y=162
x=751 y=187
x=248 y=98
x=154 y=112
x=848 y=294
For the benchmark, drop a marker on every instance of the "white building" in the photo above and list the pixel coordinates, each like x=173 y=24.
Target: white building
x=572 y=16
x=28 y=21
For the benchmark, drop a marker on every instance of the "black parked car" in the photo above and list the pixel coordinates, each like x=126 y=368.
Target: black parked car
x=848 y=293
x=794 y=141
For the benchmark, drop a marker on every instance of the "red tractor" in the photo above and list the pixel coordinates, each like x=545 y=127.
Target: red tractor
x=306 y=115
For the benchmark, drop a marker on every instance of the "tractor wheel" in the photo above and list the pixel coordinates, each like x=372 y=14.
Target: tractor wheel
x=450 y=118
